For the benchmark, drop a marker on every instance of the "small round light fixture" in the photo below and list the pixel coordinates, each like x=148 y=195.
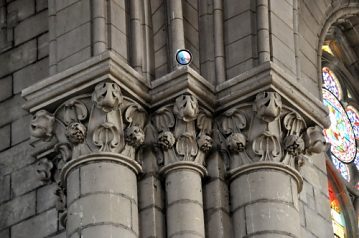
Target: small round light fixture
x=183 y=57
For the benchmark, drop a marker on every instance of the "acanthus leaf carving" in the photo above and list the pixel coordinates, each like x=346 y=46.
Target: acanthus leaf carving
x=294 y=123
x=106 y=138
x=232 y=121
x=231 y=124
x=186 y=146
x=136 y=116
x=267 y=146
x=74 y=111
x=184 y=132
x=163 y=119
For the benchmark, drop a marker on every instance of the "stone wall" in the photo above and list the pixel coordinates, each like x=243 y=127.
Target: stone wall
x=27 y=204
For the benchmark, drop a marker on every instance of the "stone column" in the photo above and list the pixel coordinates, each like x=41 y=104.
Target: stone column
x=95 y=139
x=264 y=161
x=184 y=137
x=101 y=196
x=184 y=203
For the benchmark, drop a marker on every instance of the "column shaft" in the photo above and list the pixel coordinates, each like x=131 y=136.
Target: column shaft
x=264 y=203
x=102 y=201
x=184 y=204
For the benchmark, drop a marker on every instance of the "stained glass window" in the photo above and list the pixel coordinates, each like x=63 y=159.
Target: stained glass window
x=338 y=220
x=340 y=134
x=343 y=168
x=331 y=83
x=354 y=119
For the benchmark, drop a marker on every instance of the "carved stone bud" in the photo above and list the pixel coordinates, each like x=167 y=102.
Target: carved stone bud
x=268 y=106
x=107 y=96
x=186 y=108
x=294 y=145
x=134 y=136
x=166 y=140
x=44 y=168
x=314 y=140
x=236 y=142
x=205 y=143
x=76 y=133
x=42 y=125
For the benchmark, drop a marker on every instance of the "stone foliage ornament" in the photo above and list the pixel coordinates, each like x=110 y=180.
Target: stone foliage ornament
x=184 y=131
x=104 y=121
x=276 y=134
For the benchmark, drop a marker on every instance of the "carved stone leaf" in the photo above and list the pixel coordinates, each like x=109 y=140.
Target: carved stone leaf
x=187 y=146
x=163 y=119
x=204 y=123
x=267 y=146
x=135 y=115
x=74 y=111
x=65 y=151
x=294 y=123
x=232 y=121
x=186 y=108
x=106 y=137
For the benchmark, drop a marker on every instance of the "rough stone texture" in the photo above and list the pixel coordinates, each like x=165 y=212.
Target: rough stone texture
x=5 y=88
x=5 y=137
x=27 y=205
x=44 y=224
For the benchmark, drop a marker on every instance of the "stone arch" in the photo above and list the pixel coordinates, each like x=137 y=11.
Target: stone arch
x=345 y=199
x=334 y=14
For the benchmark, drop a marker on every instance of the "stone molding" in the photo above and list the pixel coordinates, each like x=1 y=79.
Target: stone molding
x=183 y=165
x=99 y=157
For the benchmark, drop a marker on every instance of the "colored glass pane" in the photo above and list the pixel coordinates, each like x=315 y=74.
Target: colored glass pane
x=340 y=133
x=331 y=83
x=343 y=168
x=339 y=226
x=354 y=119
x=356 y=161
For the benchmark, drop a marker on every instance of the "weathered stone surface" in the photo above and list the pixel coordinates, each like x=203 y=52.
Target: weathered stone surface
x=5 y=189
x=11 y=110
x=117 y=211
x=15 y=158
x=30 y=74
x=38 y=226
x=20 y=130
x=23 y=8
x=5 y=88
x=25 y=180
x=5 y=135
x=46 y=198
x=5 y=233
x=17 y=209
x=18 y=57
x=107 y=231
x=43 y=46
x=25 y=31
x=41 y=5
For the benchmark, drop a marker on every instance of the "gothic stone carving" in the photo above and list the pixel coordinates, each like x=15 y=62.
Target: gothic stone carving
x=105 y=121
x=184 y=131
x=274 y=133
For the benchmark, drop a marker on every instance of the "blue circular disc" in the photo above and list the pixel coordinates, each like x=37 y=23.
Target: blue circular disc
x=183 y=57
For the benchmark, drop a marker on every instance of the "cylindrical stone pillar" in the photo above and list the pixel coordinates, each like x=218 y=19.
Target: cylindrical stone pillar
x=184 y=200
x=264 y=200
x=101 y=196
